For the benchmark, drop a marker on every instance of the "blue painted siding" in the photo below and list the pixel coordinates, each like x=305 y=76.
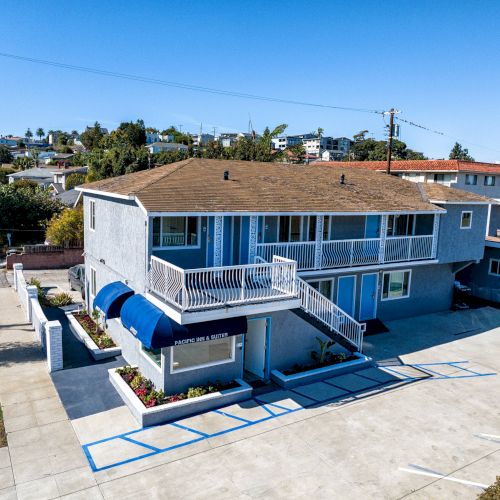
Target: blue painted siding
x=483 y=284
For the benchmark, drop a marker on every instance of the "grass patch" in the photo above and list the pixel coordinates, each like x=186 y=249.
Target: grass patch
x=3 y=436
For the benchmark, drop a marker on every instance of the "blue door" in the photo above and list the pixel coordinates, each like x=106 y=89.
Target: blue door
x=368 y=300
x=372 y=226
x=345 y=294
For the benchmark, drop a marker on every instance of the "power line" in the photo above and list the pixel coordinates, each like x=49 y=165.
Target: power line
x=185 y=86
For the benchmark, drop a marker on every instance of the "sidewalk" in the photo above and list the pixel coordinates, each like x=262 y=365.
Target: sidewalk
x=43 y=459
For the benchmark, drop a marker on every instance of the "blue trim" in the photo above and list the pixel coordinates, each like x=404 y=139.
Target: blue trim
x=225 y=414
x=144 y=445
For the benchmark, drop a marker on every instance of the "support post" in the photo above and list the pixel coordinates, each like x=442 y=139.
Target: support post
x=318 y=250
x=16 y=267
x=218 y=240
x=53 y=331
x=435 y=235
x=252 y=240
x=31 y=293
x=383 y=237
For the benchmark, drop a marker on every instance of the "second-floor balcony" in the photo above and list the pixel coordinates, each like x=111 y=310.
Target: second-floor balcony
x=214 y=292
x=350 y=253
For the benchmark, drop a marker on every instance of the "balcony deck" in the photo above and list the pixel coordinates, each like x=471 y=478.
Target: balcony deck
x=192 y=295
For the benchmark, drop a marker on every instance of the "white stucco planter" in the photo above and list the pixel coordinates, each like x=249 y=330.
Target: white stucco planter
x=84 y=337
x=179 y=409
x=291 y=381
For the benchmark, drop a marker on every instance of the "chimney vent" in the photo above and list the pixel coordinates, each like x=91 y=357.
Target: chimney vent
x=342 y=179
x=226 y=175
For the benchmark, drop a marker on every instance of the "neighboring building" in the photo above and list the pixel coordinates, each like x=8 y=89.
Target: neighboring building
x=229 y=139
x=70 y=198
x=158 y=147
x=337 y=147
x=152 y=137
x=63 y=160
x=10 y=140
x=202 y=139
x=59 y=177
x=232 y=261
x=41 y=176
x=287 y=141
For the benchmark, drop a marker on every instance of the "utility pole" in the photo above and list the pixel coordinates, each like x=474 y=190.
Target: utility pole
x=391 y=113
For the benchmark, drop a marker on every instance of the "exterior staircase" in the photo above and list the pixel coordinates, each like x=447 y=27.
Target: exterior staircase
x=328 y=318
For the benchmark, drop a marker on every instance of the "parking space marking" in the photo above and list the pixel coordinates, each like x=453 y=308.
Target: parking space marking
x=422 y=472
x=488 y=437
x=279 y=410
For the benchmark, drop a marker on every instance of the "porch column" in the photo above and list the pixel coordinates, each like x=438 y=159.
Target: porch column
x=435 y=235
x=318 y=250
x=252 y=239
x=218 y=239
x=383 y=236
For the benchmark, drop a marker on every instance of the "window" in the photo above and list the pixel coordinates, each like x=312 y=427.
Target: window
x=202 y=354
x=153 y=354
x=489 y=180
x=326 y=228
x=400 y=225
x=175 y=231
x=324 y=287
x=92 y=215
x=466 y=220
x=439 y=178
x=93 y=282
x=289 y=228
x=471 y=179
x=495 y=267
x=396 y=285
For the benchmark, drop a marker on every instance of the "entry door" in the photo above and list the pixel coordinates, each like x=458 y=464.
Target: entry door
x=255 y=347
x=368 y=300
x=372 y=226
x=345 y=293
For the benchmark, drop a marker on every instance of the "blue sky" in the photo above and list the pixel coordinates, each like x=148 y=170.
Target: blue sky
x=437 y=61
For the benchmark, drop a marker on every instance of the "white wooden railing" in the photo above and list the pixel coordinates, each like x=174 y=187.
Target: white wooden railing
x=205 y=288
x=350 y=253
x=336 y=319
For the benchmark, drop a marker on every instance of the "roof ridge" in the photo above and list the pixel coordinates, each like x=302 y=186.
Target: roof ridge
x=422 y=192
x=170 y=172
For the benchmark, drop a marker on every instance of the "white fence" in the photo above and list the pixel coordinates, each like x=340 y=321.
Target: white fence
x=195 y=289
x=49 y=333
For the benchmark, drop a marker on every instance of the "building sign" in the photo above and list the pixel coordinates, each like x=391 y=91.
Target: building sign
x=203 y=338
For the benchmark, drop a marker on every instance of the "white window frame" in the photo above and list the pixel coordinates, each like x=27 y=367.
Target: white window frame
x=92 y=215
x=462 y=217
x=93 y=282
x=159 y=367
x=174 y=371
x=489 y=267
x=389 y=273
x=179 y=247
x=492 y=177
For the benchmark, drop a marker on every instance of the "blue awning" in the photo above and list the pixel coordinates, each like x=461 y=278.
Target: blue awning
x=155 y=330
x=111 y=298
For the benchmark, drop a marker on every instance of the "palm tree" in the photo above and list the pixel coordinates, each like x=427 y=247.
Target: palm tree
x=28 y=134
x=40 y=133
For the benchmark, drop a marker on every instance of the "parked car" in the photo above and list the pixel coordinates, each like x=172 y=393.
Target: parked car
x=76 y=278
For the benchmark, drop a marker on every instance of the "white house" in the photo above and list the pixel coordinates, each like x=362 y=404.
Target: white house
x=159 y=147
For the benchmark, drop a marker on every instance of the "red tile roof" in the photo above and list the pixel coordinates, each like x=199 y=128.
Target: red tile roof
x=419 y=165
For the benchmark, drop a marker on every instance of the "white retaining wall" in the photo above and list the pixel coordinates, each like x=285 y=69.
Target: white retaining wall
x=49 y=333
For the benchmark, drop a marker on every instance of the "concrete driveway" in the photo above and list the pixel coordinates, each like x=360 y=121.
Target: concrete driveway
x=425 y=425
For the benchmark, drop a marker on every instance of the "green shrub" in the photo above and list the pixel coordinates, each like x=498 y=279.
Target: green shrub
x=492 y=492
x=61 y=299
x=194 y=392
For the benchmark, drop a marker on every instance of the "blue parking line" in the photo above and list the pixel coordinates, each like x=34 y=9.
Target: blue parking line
x=266 y=406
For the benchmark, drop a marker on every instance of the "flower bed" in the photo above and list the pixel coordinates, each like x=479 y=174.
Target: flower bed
x=145 y=390
x=291 y=378
x=97 y=334
x=174 y=406
x=330 y=360
x=100 y=344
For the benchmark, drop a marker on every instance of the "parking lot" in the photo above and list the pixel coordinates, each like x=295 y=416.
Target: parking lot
x=424 y=424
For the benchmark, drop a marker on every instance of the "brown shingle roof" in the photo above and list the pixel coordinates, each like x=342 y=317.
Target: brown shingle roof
x=420 y=165
x=197 y=185
x=438 y=192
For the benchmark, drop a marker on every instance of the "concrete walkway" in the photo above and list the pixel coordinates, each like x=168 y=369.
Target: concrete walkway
x=43 y=459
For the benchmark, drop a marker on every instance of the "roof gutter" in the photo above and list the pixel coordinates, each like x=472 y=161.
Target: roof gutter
x=106 y=193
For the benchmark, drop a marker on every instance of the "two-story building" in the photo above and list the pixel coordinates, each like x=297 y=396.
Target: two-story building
x=237 y=267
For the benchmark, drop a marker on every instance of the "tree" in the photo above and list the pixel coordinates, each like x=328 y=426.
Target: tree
x=28 y=134
x=92 y=136
x=40 y=133
x=360 y=136
x=66 y=227
x=320 y=132
x=74 y=180
x=24 y=163
x=26 y=208
x=460 y=153
x=4 y=172
x=5 y=155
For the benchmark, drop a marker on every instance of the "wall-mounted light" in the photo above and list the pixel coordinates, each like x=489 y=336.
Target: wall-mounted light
x=102 y=261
